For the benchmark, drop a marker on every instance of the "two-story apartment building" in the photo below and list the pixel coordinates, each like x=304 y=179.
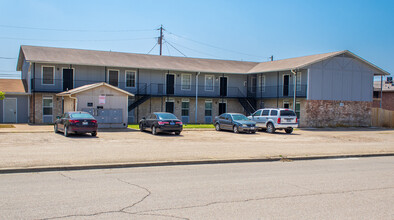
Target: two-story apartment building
x=327 y=89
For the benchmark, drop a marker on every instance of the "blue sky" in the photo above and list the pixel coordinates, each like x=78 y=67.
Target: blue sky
x=234 y=30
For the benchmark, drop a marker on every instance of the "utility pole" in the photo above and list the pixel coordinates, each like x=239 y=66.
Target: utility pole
x=272 y=58
x=161 y=39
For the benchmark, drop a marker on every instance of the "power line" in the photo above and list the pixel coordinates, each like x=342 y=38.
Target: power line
x=74 y=30
x=73 y=40
x=195 y=50
x=152 y=48
x=168 y=49
x=209 y=45
x=9 y=71
x=175 y=48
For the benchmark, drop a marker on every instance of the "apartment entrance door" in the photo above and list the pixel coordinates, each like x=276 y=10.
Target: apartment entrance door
x=68 y=79
x=223 y=86
x=222 y=108
x=286 y=83
x=170 y=81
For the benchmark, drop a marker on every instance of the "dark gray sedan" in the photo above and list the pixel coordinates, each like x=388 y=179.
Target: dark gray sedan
x=161 y=122
x=234 y=122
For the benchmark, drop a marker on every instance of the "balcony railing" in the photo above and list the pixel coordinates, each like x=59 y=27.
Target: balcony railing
x=161 y=89
x=277 y=91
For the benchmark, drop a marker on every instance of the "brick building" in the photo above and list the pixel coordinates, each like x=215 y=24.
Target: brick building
x=386 y=96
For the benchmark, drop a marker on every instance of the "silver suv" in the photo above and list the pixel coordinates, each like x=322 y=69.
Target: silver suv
x=275 y=119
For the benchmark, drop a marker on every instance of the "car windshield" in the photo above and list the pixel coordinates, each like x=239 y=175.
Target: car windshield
x=240 y=118
x=164 y=116
x=81 y=115
x=287 y=113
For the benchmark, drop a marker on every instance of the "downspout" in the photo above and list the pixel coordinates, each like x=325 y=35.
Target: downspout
x=195 y=120
x=295 y=89
x=76 y=102
x=381 y=90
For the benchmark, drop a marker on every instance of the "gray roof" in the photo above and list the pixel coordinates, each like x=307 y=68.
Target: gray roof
x=131 y=60
x=144 y=61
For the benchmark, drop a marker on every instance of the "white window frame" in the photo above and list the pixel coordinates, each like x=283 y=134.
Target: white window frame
x=135 y=78
x=213 y=83
x=261 y=82
x=295 y=108
x=43 y=98
x=73 y=76
x=205 y=107
x=42 y=75
x=108 y=75
x=188 y=109
x=298 y=81
x=190 y=85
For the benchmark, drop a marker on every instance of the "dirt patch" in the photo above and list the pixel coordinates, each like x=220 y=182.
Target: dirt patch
x=42 y=149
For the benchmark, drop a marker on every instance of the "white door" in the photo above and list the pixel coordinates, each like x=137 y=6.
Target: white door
x=9 y=115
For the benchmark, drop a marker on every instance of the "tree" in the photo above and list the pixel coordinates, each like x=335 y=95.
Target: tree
x=2 y=95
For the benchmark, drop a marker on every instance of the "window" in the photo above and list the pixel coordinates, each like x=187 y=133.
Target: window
x=262 y=83
x=186 y=81
x=209 y=83
x=265 y=112
x=274 y=112
x=48 y=75
x=47 y=106
x=298 y=78
x=185 y=107
x=208 y=107
x=287 y=113
x=286 y=104
x=298 y=109
x=258 y=113
x=113 y=77
x=130 y=79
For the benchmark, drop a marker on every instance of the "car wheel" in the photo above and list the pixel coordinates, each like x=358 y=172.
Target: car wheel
x=66 y=131
x=270 y=128
x=55 y=128
x=94 y=133
x=253 y=132
x=154 y=131
x=217 y=127
x=235 y=129
x=141 y=127
x=289 y=130
x=177 y=132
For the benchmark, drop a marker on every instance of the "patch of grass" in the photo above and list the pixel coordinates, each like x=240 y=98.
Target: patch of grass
x=7 y=126
x=133 y=126
x=198 y=126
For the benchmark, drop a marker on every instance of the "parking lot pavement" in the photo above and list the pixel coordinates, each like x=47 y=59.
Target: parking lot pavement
x=23 y=150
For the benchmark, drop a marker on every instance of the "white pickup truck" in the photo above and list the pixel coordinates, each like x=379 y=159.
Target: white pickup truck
x=275 y=119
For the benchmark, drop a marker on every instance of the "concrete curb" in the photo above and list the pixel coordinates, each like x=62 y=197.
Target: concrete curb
x=174 y=163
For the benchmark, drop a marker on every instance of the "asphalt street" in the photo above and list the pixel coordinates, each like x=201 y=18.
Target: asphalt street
x=354 y=188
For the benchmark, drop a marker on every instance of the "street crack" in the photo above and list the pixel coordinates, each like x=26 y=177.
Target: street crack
x=122 y=210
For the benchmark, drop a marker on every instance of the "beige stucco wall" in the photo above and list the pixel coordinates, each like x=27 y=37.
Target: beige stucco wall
x=113 y=100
